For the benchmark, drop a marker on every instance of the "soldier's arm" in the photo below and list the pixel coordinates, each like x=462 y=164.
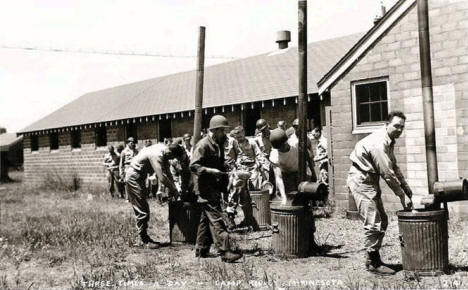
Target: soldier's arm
x=197 y=160
x=279 y=182
x=162 y=172
x=384 y=164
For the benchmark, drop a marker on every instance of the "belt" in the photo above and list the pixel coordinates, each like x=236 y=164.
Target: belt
x=355 y=165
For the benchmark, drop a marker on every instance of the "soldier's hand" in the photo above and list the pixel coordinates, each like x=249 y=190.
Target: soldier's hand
x=215 y=172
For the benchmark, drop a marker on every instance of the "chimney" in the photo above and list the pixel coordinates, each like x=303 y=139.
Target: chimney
x=383 y=11
x=282 y=38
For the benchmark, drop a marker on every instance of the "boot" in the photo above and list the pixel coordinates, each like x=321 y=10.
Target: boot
x=375 y=265
x=148 y=242
x=230 y=257
x=202 y=253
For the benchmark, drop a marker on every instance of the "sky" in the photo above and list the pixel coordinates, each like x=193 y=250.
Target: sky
x=34 y=83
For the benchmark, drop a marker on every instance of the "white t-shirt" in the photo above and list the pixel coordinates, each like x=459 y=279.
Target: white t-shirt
x=288 y=162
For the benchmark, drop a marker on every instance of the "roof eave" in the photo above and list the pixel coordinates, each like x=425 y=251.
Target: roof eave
x=363 y=44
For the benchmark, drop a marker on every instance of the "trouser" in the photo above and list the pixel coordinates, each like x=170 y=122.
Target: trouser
x=212 y=228
x=136 y=190
x=112 y=180
x=323 y=174
x=367 y=194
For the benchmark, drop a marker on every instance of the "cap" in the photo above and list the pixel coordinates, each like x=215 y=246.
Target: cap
x=237 y=130
x=278 y=138
x=187 y=136
x=290 y=131
x=218 y=121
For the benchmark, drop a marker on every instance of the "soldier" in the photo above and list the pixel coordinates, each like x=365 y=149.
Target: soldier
x=285 y=163
x=263 y=142
x=282 y=125
x=321 y=155
x=249 y=158
x=293 y=140
x=111 y=163
x=207 y=163
x=188 y=144
x=231 y=150
x=153 y=159
x=371 y=159
x=125 y=158
x=284 y=160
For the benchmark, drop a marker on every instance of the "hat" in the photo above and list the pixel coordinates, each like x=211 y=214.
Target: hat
x=237 y=130
x=261 y=124
x=290 y=131
x=187 y=136
x=218 y=121
x=278 y=138
x=130 y=139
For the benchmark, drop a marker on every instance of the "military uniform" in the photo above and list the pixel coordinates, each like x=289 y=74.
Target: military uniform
x=209 y=154
x=148 y=161
x=373 y=157
x=125 y=159
x=111 y=162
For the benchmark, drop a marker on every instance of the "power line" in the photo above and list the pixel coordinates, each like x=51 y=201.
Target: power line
x=109 y=52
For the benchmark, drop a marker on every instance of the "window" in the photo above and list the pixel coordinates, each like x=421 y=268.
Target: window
x=101 y=136
x=370 y=105
x=53 y=141
x=75 y=139
x=165 y=129
x=34 y=143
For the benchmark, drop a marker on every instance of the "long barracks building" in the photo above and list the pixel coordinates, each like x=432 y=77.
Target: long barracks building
x=353 y=81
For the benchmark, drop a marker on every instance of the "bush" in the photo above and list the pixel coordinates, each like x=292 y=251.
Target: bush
x=57 y=181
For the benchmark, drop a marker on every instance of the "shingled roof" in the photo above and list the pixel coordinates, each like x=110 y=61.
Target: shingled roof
x=258 y=78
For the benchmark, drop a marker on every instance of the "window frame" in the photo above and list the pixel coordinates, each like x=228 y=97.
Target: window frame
x=368 y=127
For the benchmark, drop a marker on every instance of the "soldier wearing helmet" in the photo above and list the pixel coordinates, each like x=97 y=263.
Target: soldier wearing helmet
x=207 y=163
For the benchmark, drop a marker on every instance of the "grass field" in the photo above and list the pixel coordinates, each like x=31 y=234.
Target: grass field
x=79 y=240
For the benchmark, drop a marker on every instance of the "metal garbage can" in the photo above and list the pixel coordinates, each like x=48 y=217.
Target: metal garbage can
x=261 y=208
x=184 y=218
x=291 y=234
x=424 y=241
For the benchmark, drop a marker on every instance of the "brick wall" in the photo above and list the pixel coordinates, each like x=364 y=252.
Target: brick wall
x=396 y=56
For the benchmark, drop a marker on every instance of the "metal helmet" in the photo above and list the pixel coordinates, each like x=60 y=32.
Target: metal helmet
x=278 y=138
x=295 y=122
x=218 y=121
x=261 y=124
x=187 y=136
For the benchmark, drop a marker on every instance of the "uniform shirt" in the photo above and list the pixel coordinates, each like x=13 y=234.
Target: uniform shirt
x=231 y=150
x=264 y=144
x=374 y=155
x=249 y=153
x=151 y=160
x=126 y=158
x=321 y=150
x=208 y=154
x=111 y=160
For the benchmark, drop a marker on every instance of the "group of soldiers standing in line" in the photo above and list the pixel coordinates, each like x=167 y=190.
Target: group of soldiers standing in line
x=211 y=173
